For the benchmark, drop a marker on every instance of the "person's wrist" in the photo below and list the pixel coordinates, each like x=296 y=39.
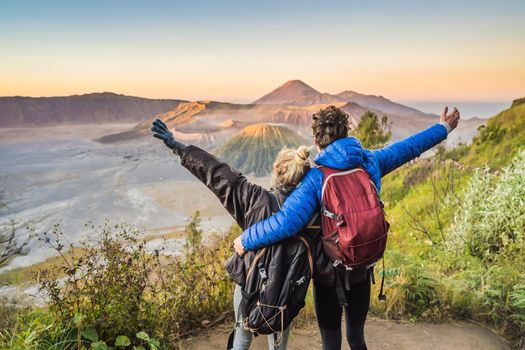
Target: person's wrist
x=176 y=147
x=446 y=125
x=239 y=246
x=176 y=150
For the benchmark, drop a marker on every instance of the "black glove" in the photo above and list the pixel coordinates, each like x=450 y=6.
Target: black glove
x=160 y=131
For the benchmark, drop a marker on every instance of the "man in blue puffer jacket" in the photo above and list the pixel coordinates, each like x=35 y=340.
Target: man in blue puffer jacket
x=330 y=129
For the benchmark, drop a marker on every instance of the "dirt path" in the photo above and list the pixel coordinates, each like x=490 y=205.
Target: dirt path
x=380 y=334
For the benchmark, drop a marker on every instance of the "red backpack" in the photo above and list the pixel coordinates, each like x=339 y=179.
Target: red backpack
x=353 y=219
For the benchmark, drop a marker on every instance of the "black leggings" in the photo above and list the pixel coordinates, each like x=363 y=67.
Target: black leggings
x=329 y=314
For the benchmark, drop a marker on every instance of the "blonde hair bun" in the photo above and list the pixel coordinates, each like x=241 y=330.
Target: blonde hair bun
x=289 y=167
x=302 y=154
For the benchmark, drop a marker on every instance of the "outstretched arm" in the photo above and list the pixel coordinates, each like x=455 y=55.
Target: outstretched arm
x=393 y=156
x=234 y=191
x=295 y=213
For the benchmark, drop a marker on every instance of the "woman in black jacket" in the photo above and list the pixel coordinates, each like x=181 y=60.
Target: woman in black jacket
x=248 y=203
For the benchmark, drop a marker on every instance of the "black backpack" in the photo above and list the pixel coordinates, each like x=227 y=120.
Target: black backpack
x=274 y=283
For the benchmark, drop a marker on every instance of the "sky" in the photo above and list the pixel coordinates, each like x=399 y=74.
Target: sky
x=419 y=51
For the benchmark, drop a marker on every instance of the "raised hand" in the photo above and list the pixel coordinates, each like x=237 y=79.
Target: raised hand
x=160 y=131
x=452 y=118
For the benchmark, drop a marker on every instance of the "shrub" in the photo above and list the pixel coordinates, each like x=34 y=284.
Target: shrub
x=116 y=287
x=476 y=268
x=193 y=233
x=455 y=154
x=517 y=304
x=492 y=218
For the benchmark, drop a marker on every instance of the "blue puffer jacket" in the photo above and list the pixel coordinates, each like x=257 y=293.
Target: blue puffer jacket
x=342 y=154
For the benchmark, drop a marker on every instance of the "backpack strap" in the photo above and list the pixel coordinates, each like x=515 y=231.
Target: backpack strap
x=339 y=286
x=309 y=252
x=311 y=223
x=255 y=261
x=382 y=296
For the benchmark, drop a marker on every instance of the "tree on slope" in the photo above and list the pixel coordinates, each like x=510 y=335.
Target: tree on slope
x=372 y=132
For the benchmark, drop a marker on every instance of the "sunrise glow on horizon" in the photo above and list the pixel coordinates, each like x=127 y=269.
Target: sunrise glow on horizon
x=238 y=51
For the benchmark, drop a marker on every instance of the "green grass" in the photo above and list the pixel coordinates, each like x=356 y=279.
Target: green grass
x=433 y=274
x=500 y=140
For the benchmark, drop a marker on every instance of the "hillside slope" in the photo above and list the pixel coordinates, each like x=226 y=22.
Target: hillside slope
x=500 y=139
x=494 y=145
x=456 y=231
x=79 y=109
x=253 y=150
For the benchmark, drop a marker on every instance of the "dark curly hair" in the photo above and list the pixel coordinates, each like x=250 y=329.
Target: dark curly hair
x=329 y=124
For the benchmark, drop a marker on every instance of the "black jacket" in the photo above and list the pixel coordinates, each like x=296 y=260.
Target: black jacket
x=248 y=204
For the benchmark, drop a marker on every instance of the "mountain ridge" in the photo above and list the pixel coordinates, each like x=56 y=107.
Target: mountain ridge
x=298 y=93
x=210 y=123
x=105 y=107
